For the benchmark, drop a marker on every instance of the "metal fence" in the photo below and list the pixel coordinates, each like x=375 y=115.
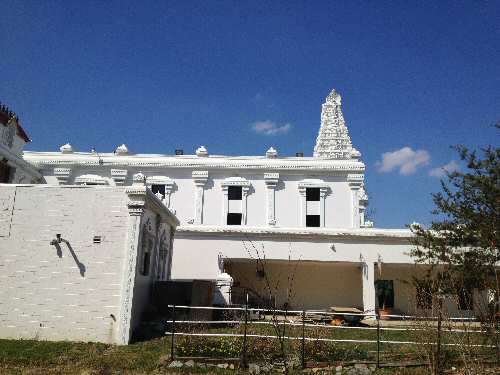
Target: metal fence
x=245 y=317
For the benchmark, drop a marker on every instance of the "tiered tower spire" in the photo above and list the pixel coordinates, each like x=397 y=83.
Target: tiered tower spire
x=333 y=141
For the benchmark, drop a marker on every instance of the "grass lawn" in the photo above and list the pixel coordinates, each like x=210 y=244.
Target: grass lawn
x=153 y=356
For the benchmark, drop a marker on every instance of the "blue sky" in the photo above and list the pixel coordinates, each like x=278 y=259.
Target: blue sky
x=415 y=77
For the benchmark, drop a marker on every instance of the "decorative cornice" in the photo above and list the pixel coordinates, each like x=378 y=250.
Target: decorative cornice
x=314 y=183
x=47 y=159
x=141 y=197
x=160 y=180
x=363 y=233
x=90 y=179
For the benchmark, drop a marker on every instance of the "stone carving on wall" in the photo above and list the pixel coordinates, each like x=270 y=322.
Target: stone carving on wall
x=333 y=141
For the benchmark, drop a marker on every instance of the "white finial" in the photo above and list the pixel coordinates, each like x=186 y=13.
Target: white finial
x=334 y=97
x=121 y=150
x=138 y=179
x=271 y=153
x=159 y=195
x=66 y=149
x=201 y=151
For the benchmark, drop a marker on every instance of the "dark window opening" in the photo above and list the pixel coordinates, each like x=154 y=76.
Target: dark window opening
x=4 y=172
x=312 y=220
x=145 y=267
x=384 y=291
x=146 y=257
x=158 y=189
x=312 y=194
x=465 y=299
x=97 y=239
x=234 y=193
x=233 y=219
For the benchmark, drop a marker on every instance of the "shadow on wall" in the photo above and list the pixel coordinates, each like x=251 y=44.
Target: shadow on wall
x=57 y=244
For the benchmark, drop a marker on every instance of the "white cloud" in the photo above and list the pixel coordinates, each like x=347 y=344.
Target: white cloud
x=440 y=172
x=270 y=128
x=406 y=160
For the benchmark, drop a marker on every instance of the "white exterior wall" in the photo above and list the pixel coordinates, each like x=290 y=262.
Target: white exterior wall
x=76 y=290
x=339 y=210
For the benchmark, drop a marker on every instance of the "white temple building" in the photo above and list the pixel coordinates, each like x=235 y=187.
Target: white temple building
x=304 y=215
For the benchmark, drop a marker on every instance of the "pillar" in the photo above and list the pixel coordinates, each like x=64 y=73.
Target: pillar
x=271 y=180
x=200 y=179
x=368 y=287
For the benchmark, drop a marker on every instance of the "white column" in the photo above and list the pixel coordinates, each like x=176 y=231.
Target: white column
x=136 y=204
x=244 y=195
x=322 y=194
x=225 y=204
x=200 y=179
x=355 y=182
x=169 y=186
x=271 y=180
x=368 y=287
x=303 y=206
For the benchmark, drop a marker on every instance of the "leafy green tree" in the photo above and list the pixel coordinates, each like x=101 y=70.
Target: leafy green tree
x=461 y=247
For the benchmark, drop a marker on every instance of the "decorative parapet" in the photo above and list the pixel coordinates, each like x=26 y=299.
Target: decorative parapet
x=46 y=160
x=119 y=176
x=62 y=175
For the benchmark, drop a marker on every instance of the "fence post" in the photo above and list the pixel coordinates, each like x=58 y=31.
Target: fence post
x=244 y=354
x=378 y=339
x=172 y=348
x=303 y=339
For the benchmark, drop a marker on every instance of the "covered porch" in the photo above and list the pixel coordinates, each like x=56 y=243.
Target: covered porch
x=303 y=284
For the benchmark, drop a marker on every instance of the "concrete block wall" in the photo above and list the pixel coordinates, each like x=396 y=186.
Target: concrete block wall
x=69 y=291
